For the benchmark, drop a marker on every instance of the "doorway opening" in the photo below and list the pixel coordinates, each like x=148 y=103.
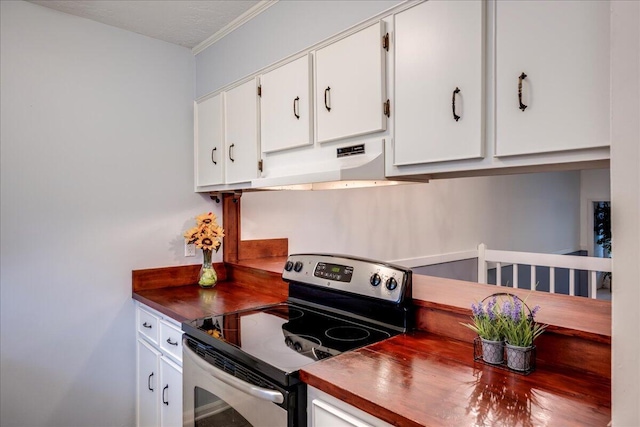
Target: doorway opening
x=602 y=244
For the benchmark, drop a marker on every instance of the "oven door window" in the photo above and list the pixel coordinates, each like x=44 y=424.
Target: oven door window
x=212 y=411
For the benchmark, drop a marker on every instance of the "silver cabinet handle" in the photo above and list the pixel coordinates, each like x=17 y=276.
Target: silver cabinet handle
x=259 y=392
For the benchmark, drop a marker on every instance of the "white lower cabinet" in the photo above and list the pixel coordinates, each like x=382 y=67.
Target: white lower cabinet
x=159 y=371
x=324 y=410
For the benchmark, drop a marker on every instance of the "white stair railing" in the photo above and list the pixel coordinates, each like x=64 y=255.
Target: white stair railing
x=571 y=262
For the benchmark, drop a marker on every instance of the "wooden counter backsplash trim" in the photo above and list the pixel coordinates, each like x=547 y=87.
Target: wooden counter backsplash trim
x=234 y=249
x=231 y=224
x=164 y=277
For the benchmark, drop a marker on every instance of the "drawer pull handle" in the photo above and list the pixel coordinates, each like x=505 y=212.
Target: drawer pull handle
x=172 y=342
x=295 y=110
x=521 y=77
x=149 y=381
x=212 y=152
x=453 y=104
x=147 y=325
x=326 y=92
x=166 y=402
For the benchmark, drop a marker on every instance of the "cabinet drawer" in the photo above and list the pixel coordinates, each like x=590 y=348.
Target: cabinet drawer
x=148 y=325
x=171 y=340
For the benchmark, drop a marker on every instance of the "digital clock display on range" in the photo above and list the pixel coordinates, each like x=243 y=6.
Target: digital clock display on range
x=339 y=273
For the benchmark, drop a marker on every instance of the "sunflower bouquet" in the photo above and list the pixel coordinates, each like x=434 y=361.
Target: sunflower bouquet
x=206 y=235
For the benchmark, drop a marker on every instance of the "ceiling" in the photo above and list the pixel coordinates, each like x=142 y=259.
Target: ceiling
x=182 y=22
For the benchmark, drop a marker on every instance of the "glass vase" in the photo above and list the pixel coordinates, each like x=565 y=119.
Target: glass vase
x=208 y=277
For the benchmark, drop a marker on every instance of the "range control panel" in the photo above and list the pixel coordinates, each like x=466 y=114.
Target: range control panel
x=349 y=274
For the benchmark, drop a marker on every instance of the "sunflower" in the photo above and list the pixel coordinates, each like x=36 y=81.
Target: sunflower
x=208 y=243
x=206 y=218
x=207 y=234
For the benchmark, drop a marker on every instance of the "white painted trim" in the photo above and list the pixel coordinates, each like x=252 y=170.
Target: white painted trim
x=233 y=25
x=436 y=259
x=549 y=260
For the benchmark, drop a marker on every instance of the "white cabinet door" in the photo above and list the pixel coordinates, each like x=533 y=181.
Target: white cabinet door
x=439 y=48
x=209 y=142
x=562 y=47
x=171 y=393
x=285 y=106
x=350 y=91
x=148 y=385
x=241 y=133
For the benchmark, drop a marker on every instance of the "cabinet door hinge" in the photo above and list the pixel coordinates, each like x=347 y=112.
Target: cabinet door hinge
x=260 y=90
x=260 y=164
x=385 y=42
x=386 y=108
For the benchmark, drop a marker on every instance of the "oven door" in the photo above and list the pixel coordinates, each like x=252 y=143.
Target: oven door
x=213 y=397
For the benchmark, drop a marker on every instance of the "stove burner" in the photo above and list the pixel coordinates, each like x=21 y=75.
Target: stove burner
x=289 y=313
x=347 y=333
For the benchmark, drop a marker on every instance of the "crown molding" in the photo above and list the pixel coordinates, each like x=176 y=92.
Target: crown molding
x=233 y=25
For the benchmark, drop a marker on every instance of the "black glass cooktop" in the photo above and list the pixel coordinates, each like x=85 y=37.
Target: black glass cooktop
x=286 y=336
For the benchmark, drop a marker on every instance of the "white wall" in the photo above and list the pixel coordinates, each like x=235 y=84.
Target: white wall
x=96 y=180
x=534 y=212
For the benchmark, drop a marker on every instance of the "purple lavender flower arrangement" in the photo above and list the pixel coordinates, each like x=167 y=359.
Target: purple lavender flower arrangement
x=486 y=320
x=519 y=327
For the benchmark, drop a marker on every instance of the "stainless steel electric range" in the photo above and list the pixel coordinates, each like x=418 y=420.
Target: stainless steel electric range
x=241 y=368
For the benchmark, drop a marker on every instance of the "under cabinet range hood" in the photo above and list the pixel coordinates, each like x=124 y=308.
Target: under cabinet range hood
x=329 y=166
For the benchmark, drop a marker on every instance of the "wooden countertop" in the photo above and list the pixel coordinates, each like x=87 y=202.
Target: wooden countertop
x=421 y=379
x=428 y=377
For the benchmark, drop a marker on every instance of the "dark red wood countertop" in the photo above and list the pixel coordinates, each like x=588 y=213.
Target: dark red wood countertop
x=421 y=378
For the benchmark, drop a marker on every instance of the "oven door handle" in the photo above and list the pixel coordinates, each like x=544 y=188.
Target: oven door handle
x=259 y=392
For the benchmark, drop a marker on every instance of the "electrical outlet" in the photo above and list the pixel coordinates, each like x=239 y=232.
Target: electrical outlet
x=189 y=249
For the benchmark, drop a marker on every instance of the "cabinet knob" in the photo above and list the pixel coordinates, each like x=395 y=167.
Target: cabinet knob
x=521 y=77
x=453 y=104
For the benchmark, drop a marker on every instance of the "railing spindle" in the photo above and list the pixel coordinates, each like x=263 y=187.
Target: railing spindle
x=572 y=282
x=515 y=275
x=552 y=280
x=593 y=285
x=533 y=277
x=498 y=273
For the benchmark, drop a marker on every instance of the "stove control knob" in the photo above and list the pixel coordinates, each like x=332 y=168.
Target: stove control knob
x=298 y=266
x=392 y=283
x=375 y=279
x=289 y=342
x=288 y=266
x=297 y=347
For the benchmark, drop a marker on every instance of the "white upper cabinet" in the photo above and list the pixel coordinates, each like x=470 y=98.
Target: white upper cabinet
x=209 y=142
x=349 y=85
x=552 y=76
x=285 y=106
x=241 y=133
x=439 y=50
